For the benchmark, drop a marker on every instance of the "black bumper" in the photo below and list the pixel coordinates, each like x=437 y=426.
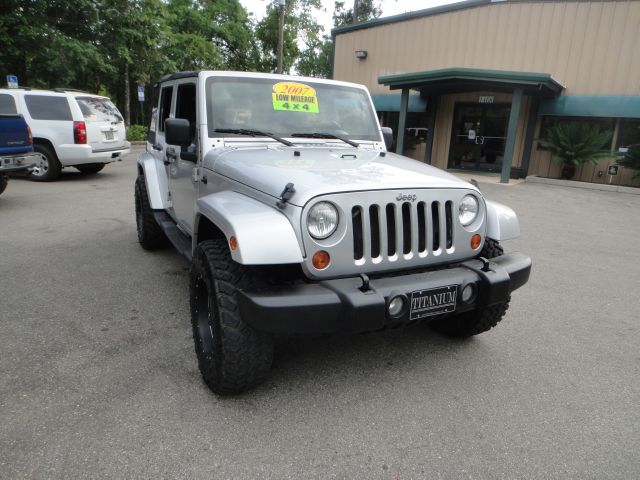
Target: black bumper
x=16 y=168
x=341 y=306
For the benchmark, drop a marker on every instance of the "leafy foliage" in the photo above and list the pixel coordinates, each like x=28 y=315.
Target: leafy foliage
x=631 y=159
x=366 y=11
x=575 y=143
x=136 y=133
x=112 y=46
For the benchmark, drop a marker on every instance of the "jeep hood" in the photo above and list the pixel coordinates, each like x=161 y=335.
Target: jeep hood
x=322 y=170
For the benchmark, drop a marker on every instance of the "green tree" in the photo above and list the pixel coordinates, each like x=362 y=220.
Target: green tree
x=315 y=59
x=51 y=43
x=367 y=10
x=300 y=25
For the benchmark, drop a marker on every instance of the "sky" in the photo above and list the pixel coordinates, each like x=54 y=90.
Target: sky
x=389 y=7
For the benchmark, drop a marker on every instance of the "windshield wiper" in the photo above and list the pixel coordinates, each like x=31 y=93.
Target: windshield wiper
x=253 y=133
x=326 y=135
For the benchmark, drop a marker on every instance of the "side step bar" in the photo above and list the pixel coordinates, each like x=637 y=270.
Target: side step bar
x=177 y=237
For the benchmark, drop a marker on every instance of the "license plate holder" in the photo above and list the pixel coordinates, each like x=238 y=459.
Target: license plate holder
x=433 y=301
x=109 y=135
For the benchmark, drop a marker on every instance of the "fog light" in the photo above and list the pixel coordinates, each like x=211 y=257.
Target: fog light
x=468 y=293
x=396 y=306
x=476 y=240
x=321 y=260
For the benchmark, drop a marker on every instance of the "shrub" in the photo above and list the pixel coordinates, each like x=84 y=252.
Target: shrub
x=575 y=143
x=137 y=133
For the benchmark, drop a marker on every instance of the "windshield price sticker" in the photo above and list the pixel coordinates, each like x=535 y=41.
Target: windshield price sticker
x=294 y=97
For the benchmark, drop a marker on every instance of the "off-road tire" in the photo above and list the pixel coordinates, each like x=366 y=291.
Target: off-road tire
x=471 y=323
x=150 y=235
x=90 y=168
x=232 y=356
x=479 y=320
x=50 y=169
x=491 y=249
x=4 y=180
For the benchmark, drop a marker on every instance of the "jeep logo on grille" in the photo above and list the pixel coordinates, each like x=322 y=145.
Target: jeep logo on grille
x=404 y=198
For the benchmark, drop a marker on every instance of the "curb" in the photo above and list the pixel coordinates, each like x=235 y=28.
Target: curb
x=584 y=185
x=140 y=143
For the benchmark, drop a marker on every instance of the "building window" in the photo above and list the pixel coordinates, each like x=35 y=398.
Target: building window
x=629 y=133
x=605 y=124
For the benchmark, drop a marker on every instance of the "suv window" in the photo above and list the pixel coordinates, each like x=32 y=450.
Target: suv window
x=165 y=106
x=186 y=105
x=7 y=104
x=97 y=109
x=45 y=107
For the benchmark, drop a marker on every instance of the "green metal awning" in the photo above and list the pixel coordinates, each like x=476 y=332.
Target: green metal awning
x=391 y=103
x=592 y=106
x=456 y=80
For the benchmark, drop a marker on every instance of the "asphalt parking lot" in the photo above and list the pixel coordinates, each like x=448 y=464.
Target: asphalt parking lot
x=98 y=378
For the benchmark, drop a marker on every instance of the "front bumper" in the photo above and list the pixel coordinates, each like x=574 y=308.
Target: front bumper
x=340 y=305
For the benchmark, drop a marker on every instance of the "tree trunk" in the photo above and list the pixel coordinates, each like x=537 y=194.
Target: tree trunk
x=127 y=96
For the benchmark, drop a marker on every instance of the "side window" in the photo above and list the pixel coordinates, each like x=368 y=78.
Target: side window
x=186 y=104
x=45 y=107
x=7 y=104
x=165 y=106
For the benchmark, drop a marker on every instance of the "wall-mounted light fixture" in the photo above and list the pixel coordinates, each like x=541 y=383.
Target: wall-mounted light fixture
x=361 y=54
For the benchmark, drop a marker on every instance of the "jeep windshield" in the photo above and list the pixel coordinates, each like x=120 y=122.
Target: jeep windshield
x=290 y=108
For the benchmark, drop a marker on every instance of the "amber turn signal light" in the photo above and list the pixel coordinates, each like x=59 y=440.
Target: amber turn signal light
x=476 y=240
x=321 y=260
x=233 y=243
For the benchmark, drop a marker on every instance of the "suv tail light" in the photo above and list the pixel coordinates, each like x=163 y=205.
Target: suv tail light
x=79 y=132
x=30 y=135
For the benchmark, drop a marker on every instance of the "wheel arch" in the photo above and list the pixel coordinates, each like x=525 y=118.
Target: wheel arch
x=502 y=222
x=264 y=235
x=47 y=143
x=156 y=180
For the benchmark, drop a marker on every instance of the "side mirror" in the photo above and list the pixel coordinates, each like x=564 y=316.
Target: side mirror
x=387 y=134
x=177 y=131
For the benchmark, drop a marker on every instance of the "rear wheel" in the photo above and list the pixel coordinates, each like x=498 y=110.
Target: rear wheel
x=479 y=320
x=3 y=182
x=90 y=167
x=47 y=167
x=232 y=356
x=150 y=235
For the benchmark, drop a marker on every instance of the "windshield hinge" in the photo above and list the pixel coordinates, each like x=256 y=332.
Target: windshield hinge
x=286 y=195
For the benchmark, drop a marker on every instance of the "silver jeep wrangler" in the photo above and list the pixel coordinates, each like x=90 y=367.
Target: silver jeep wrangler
x=296 y=220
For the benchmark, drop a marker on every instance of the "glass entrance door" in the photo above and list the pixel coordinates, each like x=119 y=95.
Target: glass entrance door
x=478 y=137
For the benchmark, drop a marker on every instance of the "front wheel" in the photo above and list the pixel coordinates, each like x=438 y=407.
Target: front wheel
x=90 y=168
x=479 y=320
x=150 y=235
x=3 y=182
x=232 y=356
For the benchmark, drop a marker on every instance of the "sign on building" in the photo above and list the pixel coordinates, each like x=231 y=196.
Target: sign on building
x=485 y=99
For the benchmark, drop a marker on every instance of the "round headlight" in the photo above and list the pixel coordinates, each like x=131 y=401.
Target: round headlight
x=468 y=210
x=322 y=220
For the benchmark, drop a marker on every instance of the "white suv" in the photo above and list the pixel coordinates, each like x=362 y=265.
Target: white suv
x=71 y=129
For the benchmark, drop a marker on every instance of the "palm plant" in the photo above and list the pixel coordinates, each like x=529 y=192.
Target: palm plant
x=575 y=143
x=631 y=159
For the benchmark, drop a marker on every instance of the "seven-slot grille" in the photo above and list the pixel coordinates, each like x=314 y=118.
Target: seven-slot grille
x=401 y=230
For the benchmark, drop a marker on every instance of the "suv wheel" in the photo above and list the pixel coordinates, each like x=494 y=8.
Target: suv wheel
x=479 y=320
x=232 y=356
x=47 y=167
x=3 y=182
x=150 y=235
x=90 y=167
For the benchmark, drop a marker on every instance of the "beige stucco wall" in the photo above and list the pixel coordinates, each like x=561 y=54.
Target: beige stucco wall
x=590 y=47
